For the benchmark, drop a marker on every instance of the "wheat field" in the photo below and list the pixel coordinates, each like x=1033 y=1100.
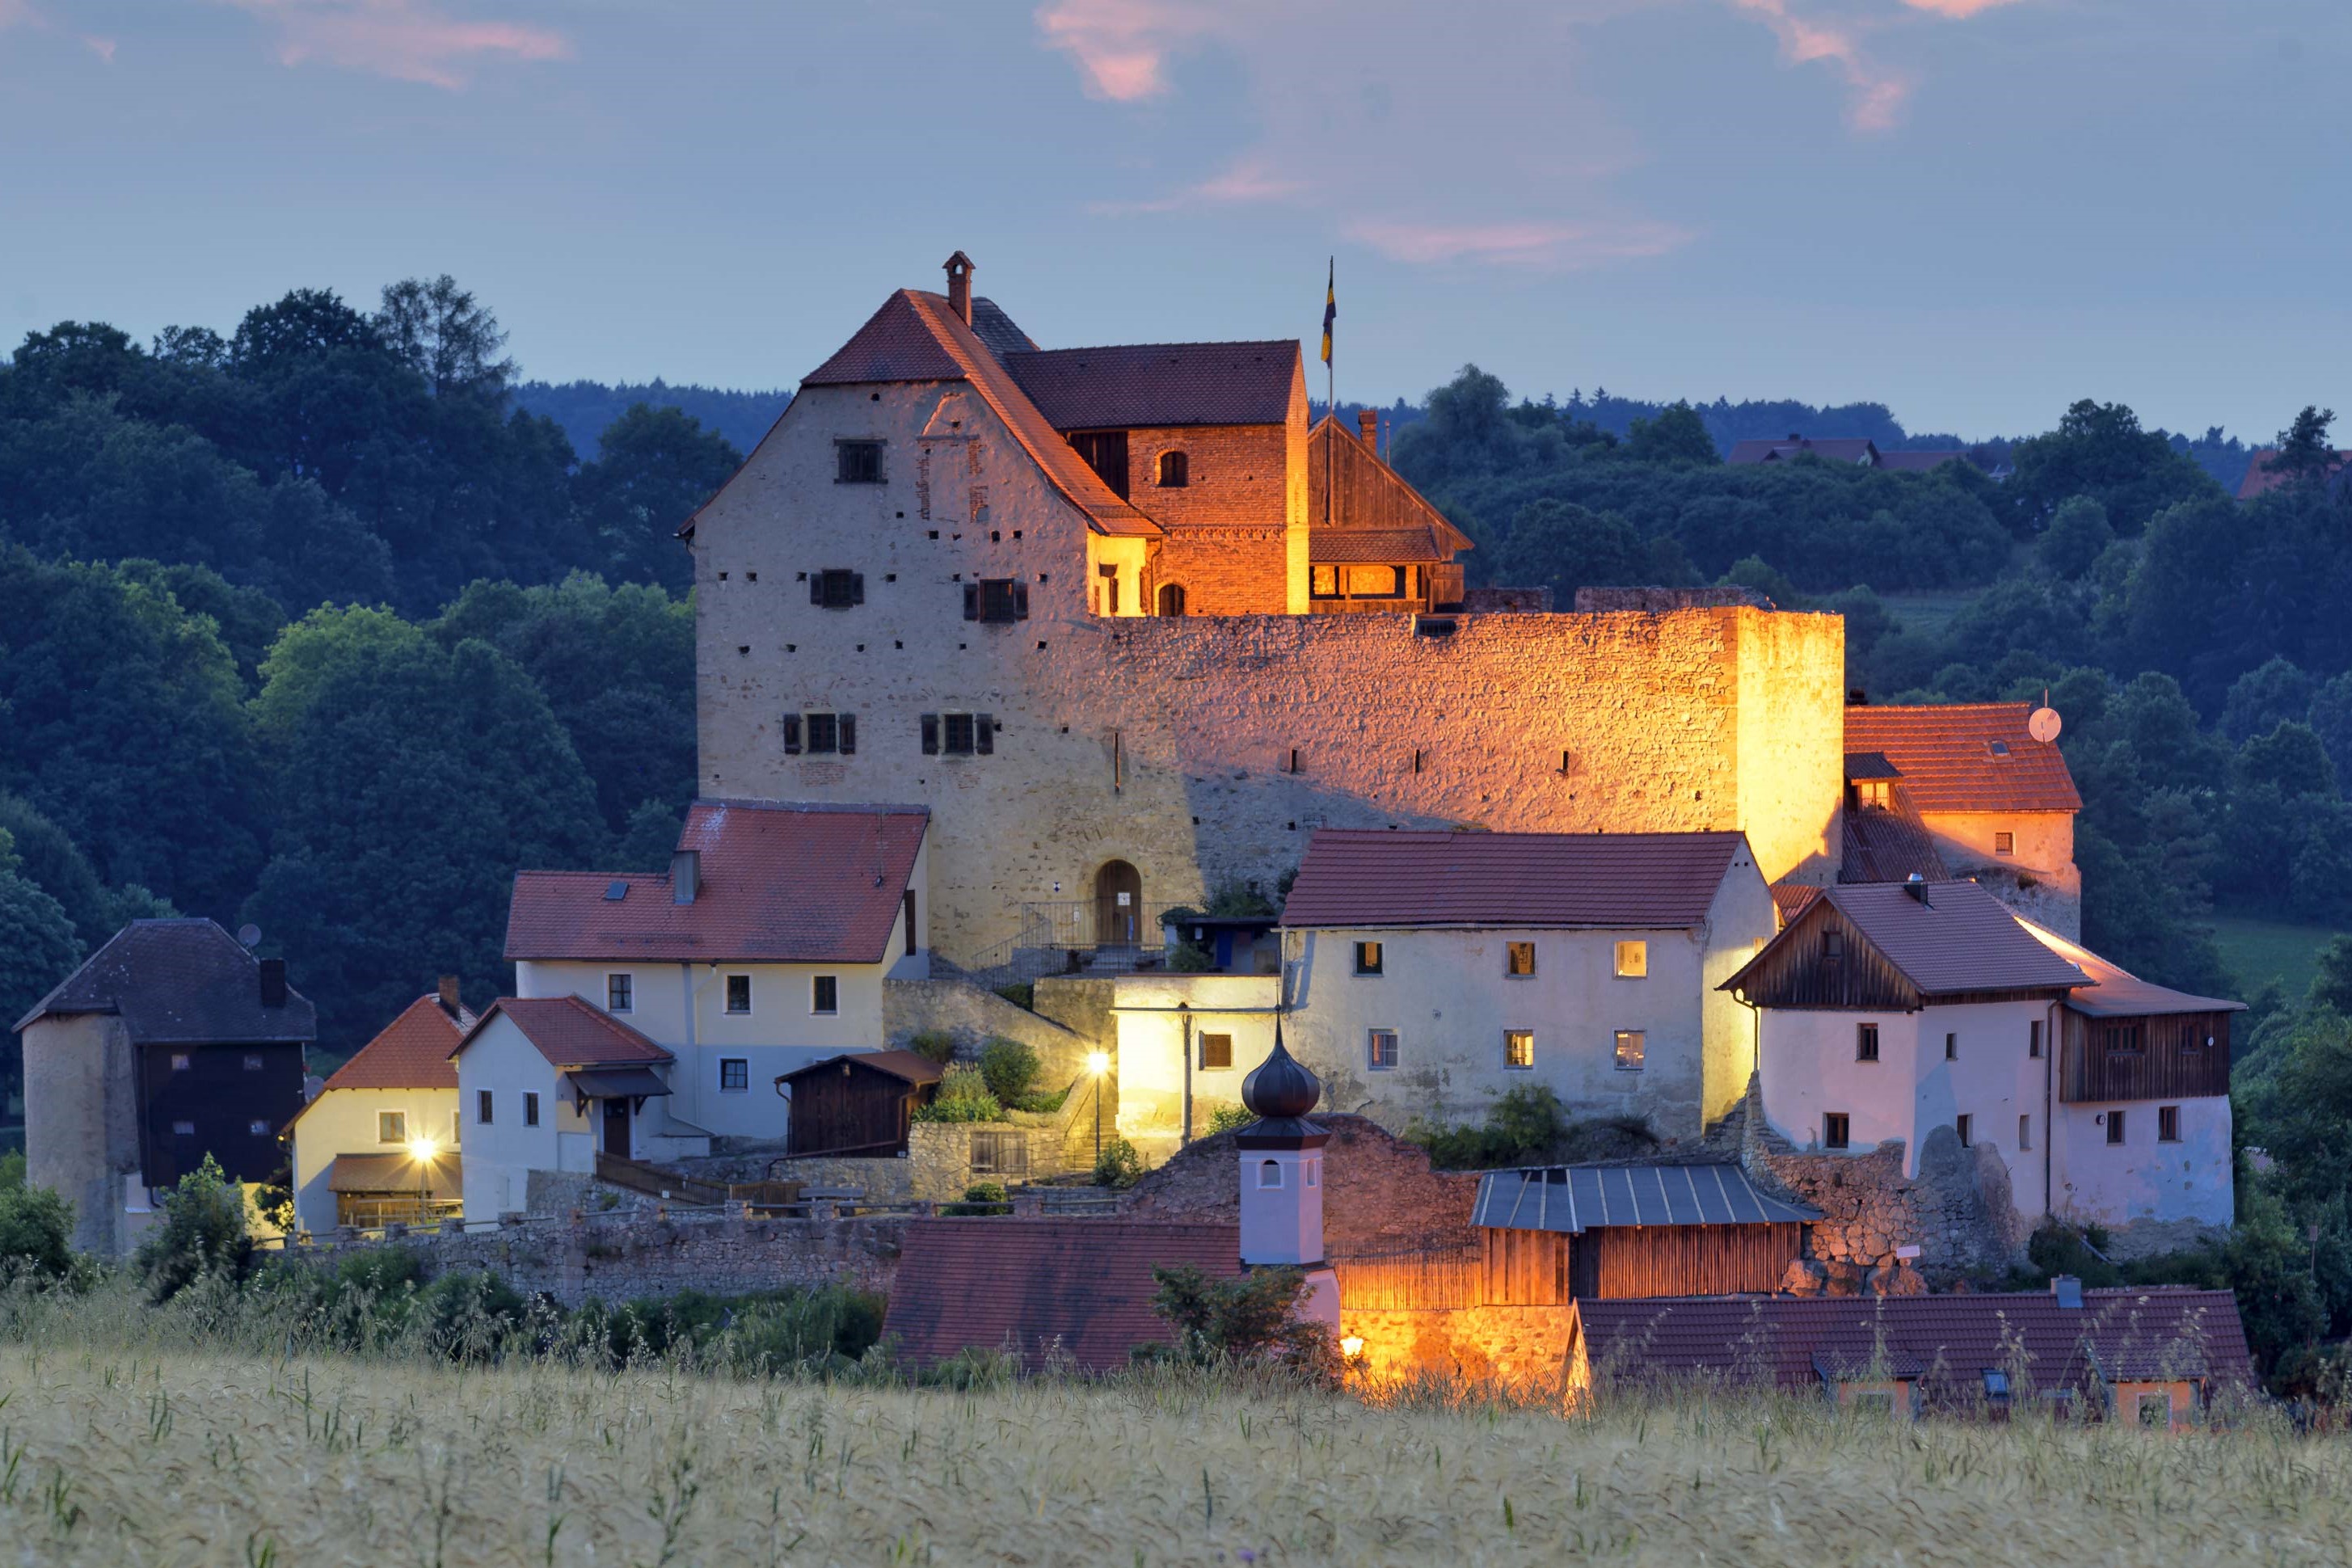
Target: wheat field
x=129 y=1455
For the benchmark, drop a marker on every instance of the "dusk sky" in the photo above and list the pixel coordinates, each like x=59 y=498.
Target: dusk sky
x=1974 y=211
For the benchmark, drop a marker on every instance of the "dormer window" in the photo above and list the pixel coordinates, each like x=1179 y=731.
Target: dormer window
x=1879 y=793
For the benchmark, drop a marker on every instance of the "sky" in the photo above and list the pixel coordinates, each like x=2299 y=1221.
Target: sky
x=1974 y=211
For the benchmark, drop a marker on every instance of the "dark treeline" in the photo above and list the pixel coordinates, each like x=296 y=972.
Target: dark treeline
x=583 y=408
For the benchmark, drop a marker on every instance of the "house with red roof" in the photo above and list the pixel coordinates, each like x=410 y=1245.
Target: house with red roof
x=1429 y=972
x=379 y=1142
x=762 y=949
x=1963 y=789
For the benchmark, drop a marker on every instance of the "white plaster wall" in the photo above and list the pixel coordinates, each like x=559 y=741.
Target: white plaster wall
x=1151 y=1050
x=2038 y=878
x=1808 y=1068
x=1445 y=994
x=82 y=1123
x=1283 y=1222
x=1694 y=718
x=2144 y=1179
x=499 y=1157
x=344 y=1121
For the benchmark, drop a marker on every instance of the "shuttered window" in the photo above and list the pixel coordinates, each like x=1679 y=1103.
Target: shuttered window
x=930 y=734
x=959 y=736
x=846 y=727
x=836 y=588
x=1216 y=1051
x=996 y=599
x=791 y=735
x=857 y=462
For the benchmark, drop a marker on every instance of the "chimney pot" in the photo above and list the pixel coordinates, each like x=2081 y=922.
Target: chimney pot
x=1368 y=421
x=273 y=982
x=447 y=994
x=685 y=876
x=959 y=268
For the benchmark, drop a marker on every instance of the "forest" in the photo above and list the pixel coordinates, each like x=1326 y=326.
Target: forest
x=330 y=622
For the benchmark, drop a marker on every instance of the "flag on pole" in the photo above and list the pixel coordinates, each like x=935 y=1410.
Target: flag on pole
x=1331 y=308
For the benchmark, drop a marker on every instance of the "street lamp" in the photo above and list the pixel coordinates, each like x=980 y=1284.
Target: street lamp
x=423 y=1149
x=1098 y=1063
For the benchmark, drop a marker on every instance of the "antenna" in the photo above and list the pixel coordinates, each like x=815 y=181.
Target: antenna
x=249 y=935
x=2043 y=722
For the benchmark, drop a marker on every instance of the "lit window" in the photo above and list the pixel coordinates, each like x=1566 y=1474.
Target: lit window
x=620 y=993
x=739 y=993
x=1380 y=1050
x=1633 y=960
x=734 y=1074
x=2168 y=1124
x=1963 y=1126
x=392 y=1127
x=857 y=462
x=482 y=1106
x=1519 y=957
x=1367 y=958
x=1834 y=1130
x=2114 y=1127
x=1323 y=582
x=1865 y=1042
x=824 y=994
x=184 y=1130
x=1216 y=1051
x=253 y=1061
x=1519 y=1049
x=529 y=1109
x=2004 y=843
x=181 y=1061
x=1269 y=1173
x=257 y=1127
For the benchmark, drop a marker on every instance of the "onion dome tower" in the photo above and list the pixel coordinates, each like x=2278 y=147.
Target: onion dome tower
x=1282 y=1177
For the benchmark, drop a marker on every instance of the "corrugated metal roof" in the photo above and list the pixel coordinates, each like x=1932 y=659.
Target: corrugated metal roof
x=1869 y=765
x=1628 y=881
x=1574 y=1199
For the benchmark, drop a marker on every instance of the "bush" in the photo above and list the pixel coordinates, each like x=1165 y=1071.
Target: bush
x=203 y=1233
x=1019 y=992
x=963 y=1097
x=36 y=1231
x=1118 y=1165
x=934 y=1044
x=1229 y=1117
x=1528 y=1126
x=981 y=1198
x=12 y=1166
x=1043 y=1102
x=1254 y=1318
x=1190 y=958
x=1010 y=1068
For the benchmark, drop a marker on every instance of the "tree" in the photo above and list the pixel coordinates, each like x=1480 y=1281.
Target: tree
x=203 y=1233
x=444 y=334
x=2099 y=450
x=2303 y=453
x=2078 y=534
x=1563 y=546
x=2263 y=699
x=654 y=466
x=1255 y=1318
x=2290 y=759
x=37 y=948
x=1676 y=436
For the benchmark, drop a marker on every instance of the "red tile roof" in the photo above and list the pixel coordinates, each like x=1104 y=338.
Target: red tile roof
x=1138 y=385
x=570 y=1032
x=1375 y=544
x=1947 y=756
x=412 y=1051
x=896 y=343
x=1793 y=898
x=1831 y=449
x=779 y=884
x=1079 y=1288
x=2259 y=477
x=1949 y=1341
x=1654 y=881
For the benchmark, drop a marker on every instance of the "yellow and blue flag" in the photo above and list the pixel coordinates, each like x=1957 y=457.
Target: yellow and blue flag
x=1331 y=308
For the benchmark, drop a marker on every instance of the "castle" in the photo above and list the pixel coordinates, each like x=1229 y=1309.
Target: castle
x=1103 y=611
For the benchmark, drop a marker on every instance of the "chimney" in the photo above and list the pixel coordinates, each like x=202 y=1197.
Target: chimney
x=2068 y=1289
x=1368 y=421
x=448 y=994
x=685 y=876
x=273 y=982
x=1916 y=885
x=959 y=293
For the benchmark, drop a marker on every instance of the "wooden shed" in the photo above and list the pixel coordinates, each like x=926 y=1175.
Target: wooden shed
x=857 y=1103
x=1552 y=1233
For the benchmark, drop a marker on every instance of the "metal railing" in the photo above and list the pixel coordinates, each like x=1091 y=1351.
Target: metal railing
x=1075 y=936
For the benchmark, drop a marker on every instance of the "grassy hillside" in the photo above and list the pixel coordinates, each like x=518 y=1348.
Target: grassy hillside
x=131 y=1455
x=2260 y=951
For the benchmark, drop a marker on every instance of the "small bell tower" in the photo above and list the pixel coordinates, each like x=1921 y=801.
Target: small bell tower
x=1282 y=1178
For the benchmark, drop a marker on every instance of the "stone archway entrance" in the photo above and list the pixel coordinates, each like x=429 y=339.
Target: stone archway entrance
x=1118 y=905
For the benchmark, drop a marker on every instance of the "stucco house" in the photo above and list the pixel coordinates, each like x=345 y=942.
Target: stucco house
x=1929 y=1010
x=170 y=1043
x=550 y=1084
x=762 y=949
x=379 y=1142
x=1430 y=973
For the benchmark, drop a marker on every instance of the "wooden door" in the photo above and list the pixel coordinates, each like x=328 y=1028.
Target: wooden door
x=616 y=1129
x=1118 y=905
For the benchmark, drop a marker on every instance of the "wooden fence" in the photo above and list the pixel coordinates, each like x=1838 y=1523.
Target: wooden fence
x=1396 y=1281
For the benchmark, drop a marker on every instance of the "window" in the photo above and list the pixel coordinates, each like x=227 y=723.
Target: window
x=2156 y=1409
x=1110 y=589
x=739 y=993
x=1380 y=1050
x=1216 y=1051
x=999 y=1153
x=734 y=1074
x=1962 y=1125
x=959 y=734
x=1878 y=1402
x=392 y=1127
x=2115 y=1126
x=1633 y=1045
x=1865 y=1042
x=1519 y=1049
x=1269 y=1173
x=1367 y=958
x=184 y=1130
x=620 y=993
x=1171 y=599
x=1175 y=471
x=2004 y=843
x=857 y=462
x=1519 y=957
x=908 y=901
x=1633 y=960
x=1879 y=793
x=257 y=1127
x=836 y=588
x=2033 y=1039
x=1951 y=1047
x=253 y=1061
x=529 y=1109
x=482 y=1106
x=1832 y=946
x=181 y=1061
x=824 y=994
x=1313 y=1170
x=2025 y=1132
x=2168 y=1124
x=1836 y=1126
x=824 y=734
x=2121 y=1040
x=1001 y=599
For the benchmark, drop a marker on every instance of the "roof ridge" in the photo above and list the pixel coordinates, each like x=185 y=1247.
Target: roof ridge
x=1170 y=343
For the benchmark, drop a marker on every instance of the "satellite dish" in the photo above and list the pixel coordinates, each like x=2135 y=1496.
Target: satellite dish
x=249 y=935
x=2044 y=724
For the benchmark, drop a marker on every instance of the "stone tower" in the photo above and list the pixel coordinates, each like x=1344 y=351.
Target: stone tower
x=1282 y=1179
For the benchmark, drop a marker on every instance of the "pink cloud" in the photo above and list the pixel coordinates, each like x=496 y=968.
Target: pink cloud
x=1875 y=93
x=102 y=47
x=1955 y=8
x=406 y=40
x=1121 y=45
x=1543 y=246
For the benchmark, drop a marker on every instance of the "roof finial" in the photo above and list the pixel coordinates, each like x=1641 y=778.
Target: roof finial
x=1278 y=1089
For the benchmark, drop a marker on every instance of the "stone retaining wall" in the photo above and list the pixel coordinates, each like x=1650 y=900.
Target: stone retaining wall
x=973 y=1016
x=1522 y=1347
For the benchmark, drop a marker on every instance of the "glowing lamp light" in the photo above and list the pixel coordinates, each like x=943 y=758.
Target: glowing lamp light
x=423 y=1149
x=1352 y=1347
x=1099 y=1062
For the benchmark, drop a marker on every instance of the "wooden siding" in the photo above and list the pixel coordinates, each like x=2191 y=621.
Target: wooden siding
x=1527 y=1268
x=1365 y=492
x=1684 y=1259
x=220 y=1099
x=1793 y=971
x=1406 y=1281
x=2173 y=1062
x=851 y=1109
